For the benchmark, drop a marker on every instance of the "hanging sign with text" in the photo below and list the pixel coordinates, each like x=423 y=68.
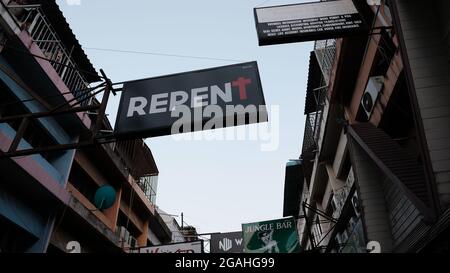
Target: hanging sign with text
x=276 y=236
x=193 y=101
x=308 y=22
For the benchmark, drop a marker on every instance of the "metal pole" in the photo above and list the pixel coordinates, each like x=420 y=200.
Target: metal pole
x=50 y=113
x=63 y=147
x=19 y=135
x=182 y=220
x=307 y=226
x=101 y=111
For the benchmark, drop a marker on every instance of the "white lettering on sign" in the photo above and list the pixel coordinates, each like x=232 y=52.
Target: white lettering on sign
x=137 y=105
x=177 y=98
x=305 y=11
x=157 y=101
x=226 y=244
x=200 y=97
x=216 y=92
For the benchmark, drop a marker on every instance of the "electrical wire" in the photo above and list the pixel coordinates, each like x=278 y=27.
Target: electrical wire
x=160 y=54
x=196 y=220
x=66 y=206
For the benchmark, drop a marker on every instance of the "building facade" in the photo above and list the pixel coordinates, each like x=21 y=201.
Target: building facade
x=47 y=199
x=375 y=155
x=178 y=234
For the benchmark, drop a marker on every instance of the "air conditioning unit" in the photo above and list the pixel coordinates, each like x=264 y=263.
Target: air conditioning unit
x=124 y=235
x=370 y=97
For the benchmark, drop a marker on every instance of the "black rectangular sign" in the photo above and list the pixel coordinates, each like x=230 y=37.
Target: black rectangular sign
x=192 y=101
x=231 y=242
x=308 y=22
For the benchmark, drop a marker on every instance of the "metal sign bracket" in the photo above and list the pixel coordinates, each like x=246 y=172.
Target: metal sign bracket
x=96 y=133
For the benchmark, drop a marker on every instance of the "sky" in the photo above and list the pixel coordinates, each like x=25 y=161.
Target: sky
x=217 y=184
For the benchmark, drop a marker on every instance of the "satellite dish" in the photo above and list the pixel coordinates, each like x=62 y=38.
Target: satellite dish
x=105 y=197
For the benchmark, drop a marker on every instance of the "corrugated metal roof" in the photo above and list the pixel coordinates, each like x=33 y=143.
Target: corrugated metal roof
x=62 y=28
x=314 y=81
x=394 y=162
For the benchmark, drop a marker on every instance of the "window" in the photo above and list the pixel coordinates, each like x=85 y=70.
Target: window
x=35 y=134
x=398 y=121
x=13 y=239
x=83 y=182
x=385 y=53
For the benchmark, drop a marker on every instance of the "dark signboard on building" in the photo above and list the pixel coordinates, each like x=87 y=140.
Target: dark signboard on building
x=227 y=243
x=293 y=187
x=308 y=22
x=192 y=101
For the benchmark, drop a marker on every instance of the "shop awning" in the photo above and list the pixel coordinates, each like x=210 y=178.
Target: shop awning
x=314 y=82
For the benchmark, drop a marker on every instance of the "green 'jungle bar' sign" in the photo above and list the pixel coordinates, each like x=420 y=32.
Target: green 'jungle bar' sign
x=277 y=236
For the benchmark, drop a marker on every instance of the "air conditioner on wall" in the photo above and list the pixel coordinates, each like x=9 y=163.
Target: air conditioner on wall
x=124 y=235
x=370 y=97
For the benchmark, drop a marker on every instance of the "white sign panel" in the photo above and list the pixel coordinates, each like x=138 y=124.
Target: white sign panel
x=188 y=247
x=307 y=21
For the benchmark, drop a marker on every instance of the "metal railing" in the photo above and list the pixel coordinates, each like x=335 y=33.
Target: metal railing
x=340 y=196
x=134 y=157
x=313 y=123
x=149 y=185
x=325 y=52
x=32 y=19
x=309 y=145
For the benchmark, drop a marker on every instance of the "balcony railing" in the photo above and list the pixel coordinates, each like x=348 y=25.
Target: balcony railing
x=149 y=185
x=32 y=19
x=325 y=52
x=313 y=124
x=134 y=156
x=340 y=196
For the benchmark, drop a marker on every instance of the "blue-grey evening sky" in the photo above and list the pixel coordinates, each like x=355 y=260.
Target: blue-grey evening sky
x=217 y=184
